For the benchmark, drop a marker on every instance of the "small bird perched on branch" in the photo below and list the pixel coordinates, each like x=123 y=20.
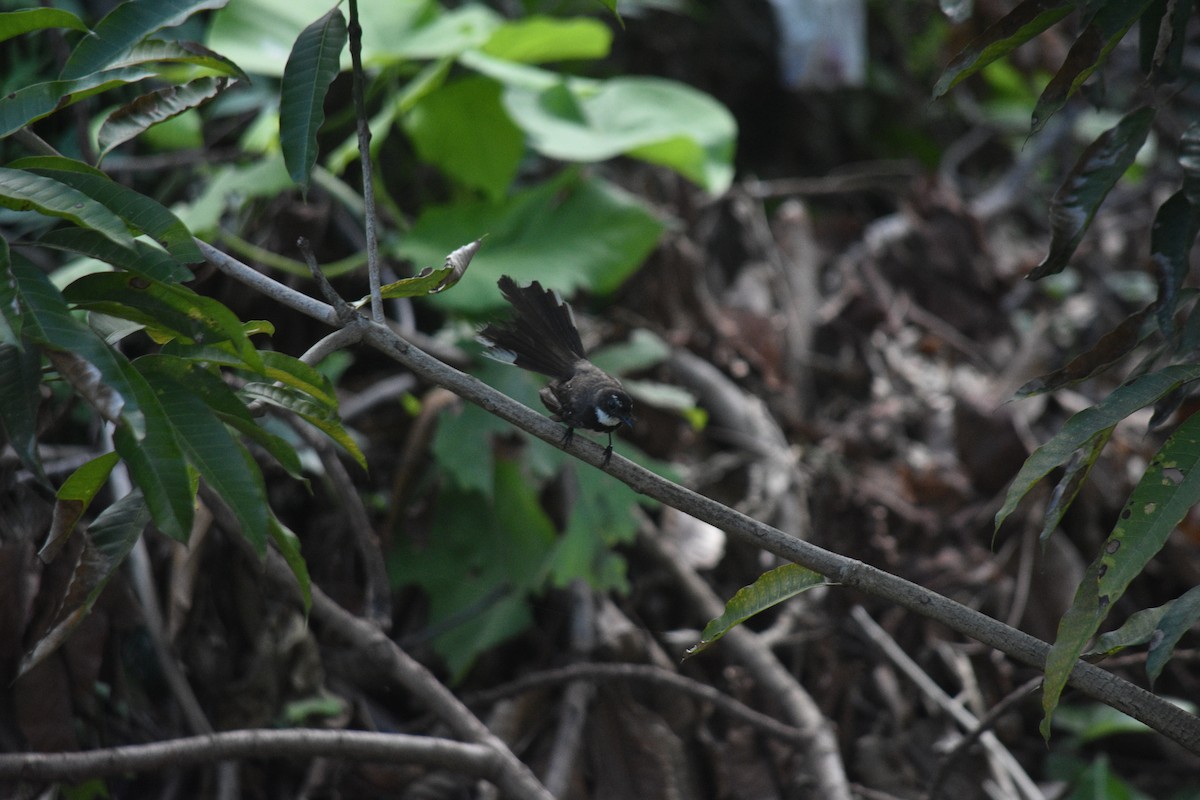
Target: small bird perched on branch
x=542 y=337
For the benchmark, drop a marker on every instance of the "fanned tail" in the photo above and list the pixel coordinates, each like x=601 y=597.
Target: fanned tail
x=541 y=336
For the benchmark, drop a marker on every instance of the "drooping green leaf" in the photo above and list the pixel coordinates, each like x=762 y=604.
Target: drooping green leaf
x=464 y=130
x=293 y=372
x=109 y=539
x=31 y=103
x=24 y=191
x=124 y=27
x=1079 y=429
x=157 y=464
x=1181 y=614
x=303 y=405
x=73 y=499
x=156 y=51
x=136 y=209
x=313 y=64
x=289 y=545
x=15 y=23
x=1095 y=173
x=429 y=280
x=1171 y=238
x=1105 y=29
x=537 y=39
x=142 y=259
x=132 y=119
x=569 y=233
x=1023 y=23
x=1166 y=492
x=222 y=462
x=770 y=589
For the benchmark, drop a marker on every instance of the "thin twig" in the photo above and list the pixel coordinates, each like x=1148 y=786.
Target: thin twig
x=947 y=703
x=174 y=754
x=364 y=154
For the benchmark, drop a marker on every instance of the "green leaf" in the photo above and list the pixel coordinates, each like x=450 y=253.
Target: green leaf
x=24 y=191
x=109 y=539
x=1138 y=629
x=643 y=349
x=653 y=119
x=125 y=26
x=20 y=396
x=143 y=259
x=136 y=209
x=1023 y=23
x=293 y=372
x=770 y=589
x=447 y=34
x=1080 y=428
x=1110 y=23
x=132 y=119
x=311 y=68
x=158 y=466
x=165 y=305
x=154 y=51
x=569 y=233
x=1110 y=348
x=429 y=280
x=1095 y=173
x=31 y=103
x=537 y=39
x=259 y=34
x=15 y=23
x=463 y=129
x=1179 y=617
x=221 y=460
x=1074 y=476
x=73 y=499
x=289 y=545
x=1164 y=495
x=303 y=405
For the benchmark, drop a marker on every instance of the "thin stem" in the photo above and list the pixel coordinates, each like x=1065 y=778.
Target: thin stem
x=364 y=154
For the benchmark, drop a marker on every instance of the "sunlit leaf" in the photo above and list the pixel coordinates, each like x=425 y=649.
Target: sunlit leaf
x=536 y=39
x=73 y=499
x=15 y=23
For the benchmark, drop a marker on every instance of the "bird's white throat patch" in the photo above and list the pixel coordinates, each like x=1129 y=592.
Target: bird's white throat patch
x=607 y=420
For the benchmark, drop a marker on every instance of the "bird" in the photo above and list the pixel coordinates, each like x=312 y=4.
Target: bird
x=542 y=337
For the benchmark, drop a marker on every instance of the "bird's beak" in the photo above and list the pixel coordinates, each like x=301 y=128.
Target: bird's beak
x=628 y=421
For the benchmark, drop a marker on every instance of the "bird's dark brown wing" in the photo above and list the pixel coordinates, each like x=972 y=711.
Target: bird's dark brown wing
x=541 y=335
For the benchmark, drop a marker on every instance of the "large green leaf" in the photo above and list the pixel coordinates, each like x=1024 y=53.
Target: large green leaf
x=142 y=259
x=537 y=39
x=1079 y=429
x=136 y=209
x=15 y=23
x=222 y=462
x=656 y=120
x=569 y=233
x=132 y=119
x=24 y=191
x=1023 y=23
x=31 y=103
x=1178 y=619
x=311 y=68
x=463 y=129
x=125 y=26
x=155 y=51
x=1167 y=491
x=1096 y=172
x=170 y=306
x=258 y=34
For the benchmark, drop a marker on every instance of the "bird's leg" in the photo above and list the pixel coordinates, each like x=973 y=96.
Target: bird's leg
x=568 y=435
x=607 y=451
